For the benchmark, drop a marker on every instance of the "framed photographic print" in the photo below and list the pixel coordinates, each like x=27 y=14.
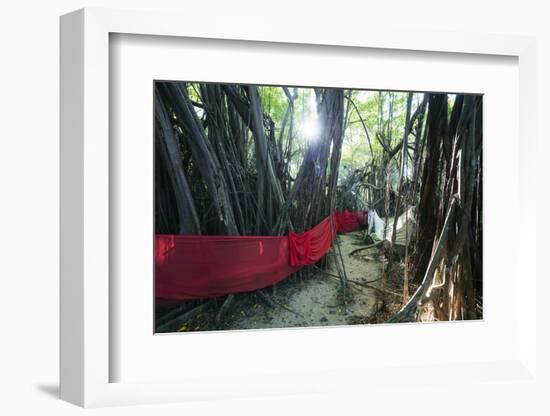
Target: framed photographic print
x=238 y=208
x=296 y=214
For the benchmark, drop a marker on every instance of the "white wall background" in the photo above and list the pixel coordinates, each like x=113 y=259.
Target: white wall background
x=29 y=116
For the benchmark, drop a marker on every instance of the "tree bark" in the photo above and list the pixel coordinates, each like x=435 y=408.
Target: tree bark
x=168 y=148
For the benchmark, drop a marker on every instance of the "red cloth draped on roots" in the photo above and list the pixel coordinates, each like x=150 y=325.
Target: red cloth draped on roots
x=194 y=267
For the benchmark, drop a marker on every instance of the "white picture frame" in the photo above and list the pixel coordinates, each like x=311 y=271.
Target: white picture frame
x=85 y=353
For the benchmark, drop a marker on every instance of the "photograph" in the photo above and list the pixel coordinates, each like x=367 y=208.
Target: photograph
x=281 y=206
x=234 y=208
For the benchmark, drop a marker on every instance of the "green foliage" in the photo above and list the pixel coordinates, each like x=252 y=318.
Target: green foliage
x=383 y=113
x=274 y=102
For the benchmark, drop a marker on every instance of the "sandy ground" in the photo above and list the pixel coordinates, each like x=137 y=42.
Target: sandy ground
x=308 y=301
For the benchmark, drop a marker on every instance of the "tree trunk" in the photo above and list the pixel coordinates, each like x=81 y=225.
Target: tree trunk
x=170 y=159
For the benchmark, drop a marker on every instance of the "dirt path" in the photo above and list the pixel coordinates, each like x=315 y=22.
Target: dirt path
x=313 y=300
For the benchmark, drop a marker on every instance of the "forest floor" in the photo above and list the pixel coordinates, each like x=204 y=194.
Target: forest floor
x=312 y=300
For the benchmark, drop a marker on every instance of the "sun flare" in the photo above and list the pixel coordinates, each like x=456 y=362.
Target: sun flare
x=310 y=129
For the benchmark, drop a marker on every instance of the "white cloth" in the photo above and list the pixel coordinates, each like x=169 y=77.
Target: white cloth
x=406 y=227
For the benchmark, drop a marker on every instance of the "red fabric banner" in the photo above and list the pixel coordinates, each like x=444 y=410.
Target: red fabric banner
x=194 y=267
x=347 y=221
x=310 y=246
